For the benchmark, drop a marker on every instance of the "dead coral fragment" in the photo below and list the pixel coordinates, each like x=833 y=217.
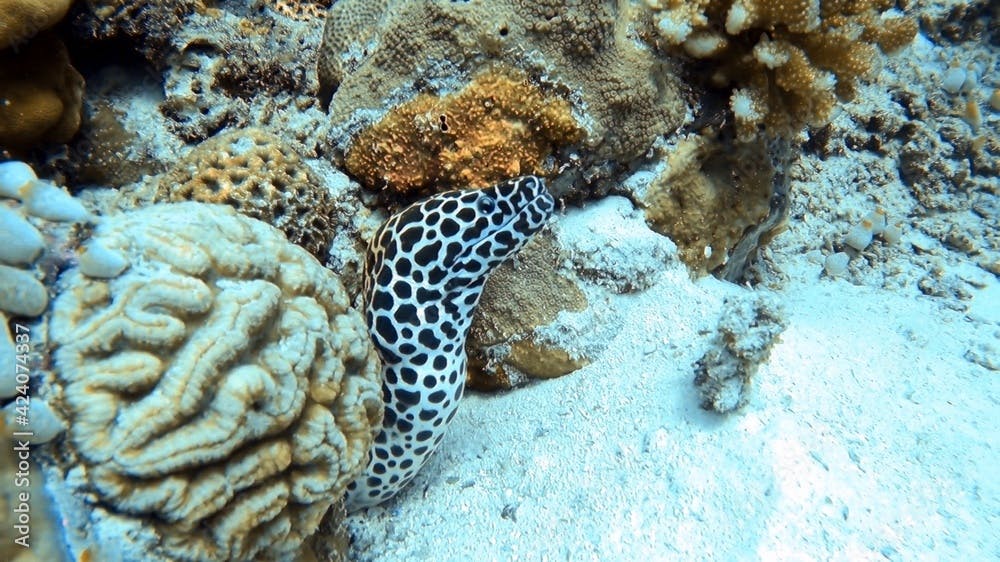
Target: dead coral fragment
x=789 y=61
x=497 y=127
x=749 y=328
x=708 y=196
x=221 y=390
x=260 y=176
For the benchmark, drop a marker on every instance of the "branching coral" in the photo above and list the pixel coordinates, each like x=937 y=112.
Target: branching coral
x=220 y=389
x=788 y=61
x=499 y=126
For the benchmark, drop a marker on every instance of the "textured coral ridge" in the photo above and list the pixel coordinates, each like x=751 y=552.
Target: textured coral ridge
x=261 y=177
x=220 y=389
x=379 y=54
x=499 y=126
x=788 y=60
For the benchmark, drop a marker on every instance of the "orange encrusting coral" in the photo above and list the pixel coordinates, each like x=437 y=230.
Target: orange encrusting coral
x=498 y=126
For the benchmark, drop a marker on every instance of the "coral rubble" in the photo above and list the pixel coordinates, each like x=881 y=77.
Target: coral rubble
x=749 y=327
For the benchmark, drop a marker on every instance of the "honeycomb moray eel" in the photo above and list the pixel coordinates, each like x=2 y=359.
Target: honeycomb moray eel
x=424 y=274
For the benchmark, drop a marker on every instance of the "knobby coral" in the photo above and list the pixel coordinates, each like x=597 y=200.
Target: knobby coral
x=259 y=175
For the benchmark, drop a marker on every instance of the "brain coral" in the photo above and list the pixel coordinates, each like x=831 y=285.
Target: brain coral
x=787 y=61
x=220 y=390
x=497 y=127
x=376 y=55
x=260 y=176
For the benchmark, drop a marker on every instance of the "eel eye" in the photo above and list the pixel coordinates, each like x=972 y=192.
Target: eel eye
x=486 y=205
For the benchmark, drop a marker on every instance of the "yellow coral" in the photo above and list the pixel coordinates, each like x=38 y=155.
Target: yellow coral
x=23 y=19
x=220 y=390
x=497 y=127
x=789 y=61
x=260 y=176
x=40 y=95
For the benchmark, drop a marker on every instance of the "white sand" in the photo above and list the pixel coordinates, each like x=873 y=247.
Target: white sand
x=869 y=437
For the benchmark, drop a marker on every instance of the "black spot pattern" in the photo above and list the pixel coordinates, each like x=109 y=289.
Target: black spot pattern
x=424 y=273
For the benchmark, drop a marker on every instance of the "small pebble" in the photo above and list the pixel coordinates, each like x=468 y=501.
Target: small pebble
x=860 y=235
x=836 y=264
x=953 y=79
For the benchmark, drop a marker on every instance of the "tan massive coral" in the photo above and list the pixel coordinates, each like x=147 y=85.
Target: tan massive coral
x=786 y=61
x=41 y=93
x=220 y=390
x=22 y=19
x=259 y=175
x=376 y=55
x=521 y=296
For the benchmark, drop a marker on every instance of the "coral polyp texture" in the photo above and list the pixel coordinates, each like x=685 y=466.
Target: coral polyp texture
x=260 y=176
x=787 y=62
x=498 y=126
x=376 y=56
x=219 y=390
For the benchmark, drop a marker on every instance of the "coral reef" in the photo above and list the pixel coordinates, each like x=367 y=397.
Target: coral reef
x=42 y=94
x=498 y=126
x=261 y=177
x=749 y=327
x=374 y=58
x=149 y=25
x=219 y=390
x=708 y=196
x=520 y=296
x=787 y=63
